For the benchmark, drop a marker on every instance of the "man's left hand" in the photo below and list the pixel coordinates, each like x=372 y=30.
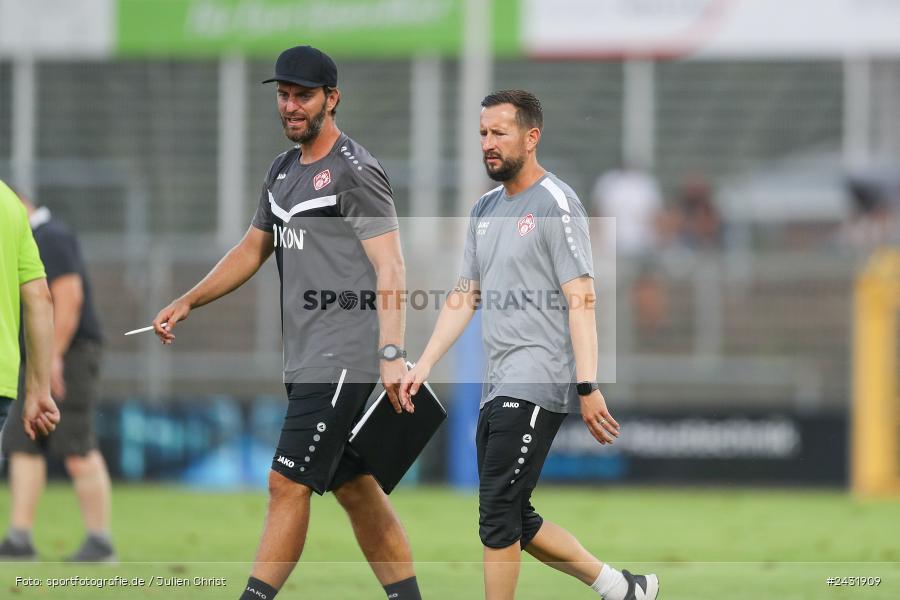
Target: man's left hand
x=596 y=416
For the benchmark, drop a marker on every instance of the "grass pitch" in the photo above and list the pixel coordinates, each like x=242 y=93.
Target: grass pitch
x=704 y=544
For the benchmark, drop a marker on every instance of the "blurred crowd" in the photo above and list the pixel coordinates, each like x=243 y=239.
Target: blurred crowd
x=653 y=234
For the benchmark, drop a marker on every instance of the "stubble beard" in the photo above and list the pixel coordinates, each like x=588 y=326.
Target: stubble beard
x=313 y=128
x=509 y=168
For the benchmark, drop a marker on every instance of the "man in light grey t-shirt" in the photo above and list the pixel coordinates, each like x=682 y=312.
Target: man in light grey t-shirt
x=527 y=265
x=521 y=250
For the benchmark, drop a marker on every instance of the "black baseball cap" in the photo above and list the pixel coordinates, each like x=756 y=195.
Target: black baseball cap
x=306 y=66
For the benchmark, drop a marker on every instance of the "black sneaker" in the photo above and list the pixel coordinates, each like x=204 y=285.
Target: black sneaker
x=94 y=550
x=11 y=551
x=641 y=587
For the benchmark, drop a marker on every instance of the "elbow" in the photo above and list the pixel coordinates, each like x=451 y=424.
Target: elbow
x=393 y=270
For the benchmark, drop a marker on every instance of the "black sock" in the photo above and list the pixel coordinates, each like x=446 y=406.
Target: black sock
x=258 y=590
x=408 y=589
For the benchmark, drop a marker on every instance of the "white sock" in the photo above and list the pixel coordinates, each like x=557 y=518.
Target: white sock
x=610 y=584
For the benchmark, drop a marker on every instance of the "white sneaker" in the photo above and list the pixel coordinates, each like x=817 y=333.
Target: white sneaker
x=641 y=587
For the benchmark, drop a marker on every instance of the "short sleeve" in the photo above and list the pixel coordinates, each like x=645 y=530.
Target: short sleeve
x=568 y=240
x=369 y=205
x=264 y=219
x=60 y=253
x=469 y=269
x=30 y=265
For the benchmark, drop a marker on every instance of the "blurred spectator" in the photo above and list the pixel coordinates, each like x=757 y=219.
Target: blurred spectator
x=74 y=379
x=633 y=198
x=875 y=201
x=696 y=221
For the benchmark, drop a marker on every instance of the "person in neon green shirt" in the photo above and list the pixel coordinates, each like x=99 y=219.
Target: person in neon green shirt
x=24 y=284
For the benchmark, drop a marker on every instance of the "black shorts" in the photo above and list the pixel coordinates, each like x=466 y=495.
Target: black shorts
x=5 y=403
x=513 y=439
x=74 y=434
x=322 y=409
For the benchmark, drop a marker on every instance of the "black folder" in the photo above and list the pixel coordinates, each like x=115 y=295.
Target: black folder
x=389 y=443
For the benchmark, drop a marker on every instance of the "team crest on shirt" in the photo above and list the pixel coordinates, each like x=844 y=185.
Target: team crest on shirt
x=322 y=179
x=526 y=224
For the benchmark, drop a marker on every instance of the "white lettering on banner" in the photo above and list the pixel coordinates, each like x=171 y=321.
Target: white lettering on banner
x=206 y=18
x=287 y=237
x=692 y=438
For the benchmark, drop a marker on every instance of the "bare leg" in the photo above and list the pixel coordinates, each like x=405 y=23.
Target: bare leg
x=501 y=572
x=558 y=548
x=27 y=476
x=378 y=531
x=92 y=487
x=284 y=533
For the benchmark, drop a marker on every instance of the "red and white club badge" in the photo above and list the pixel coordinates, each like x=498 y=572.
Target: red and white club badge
x=526 y=224
x=322 y=179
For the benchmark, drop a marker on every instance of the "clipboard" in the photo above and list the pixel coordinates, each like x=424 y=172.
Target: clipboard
x=389 y=443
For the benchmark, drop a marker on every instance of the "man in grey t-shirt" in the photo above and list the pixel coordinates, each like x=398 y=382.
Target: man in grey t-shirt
x=527 y=264
x=326 y=211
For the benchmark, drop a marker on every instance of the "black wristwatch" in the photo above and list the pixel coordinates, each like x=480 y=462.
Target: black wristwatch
x=586 y=388
x=391 y=352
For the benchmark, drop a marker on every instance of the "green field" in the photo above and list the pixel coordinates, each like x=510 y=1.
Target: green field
x=716 y=544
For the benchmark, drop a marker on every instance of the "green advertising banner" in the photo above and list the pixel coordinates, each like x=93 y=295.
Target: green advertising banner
x=363 y=28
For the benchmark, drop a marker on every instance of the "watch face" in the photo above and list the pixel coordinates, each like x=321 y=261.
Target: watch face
x=389 y=352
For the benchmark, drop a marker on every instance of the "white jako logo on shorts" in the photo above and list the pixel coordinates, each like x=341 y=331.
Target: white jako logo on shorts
x=510 y=405
x=526 y=438
x=286 y=462
x=321 y=179
x=320 y=427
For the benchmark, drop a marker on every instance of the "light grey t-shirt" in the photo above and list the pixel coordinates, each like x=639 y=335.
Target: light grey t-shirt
x=522 y=249
x=319 y=213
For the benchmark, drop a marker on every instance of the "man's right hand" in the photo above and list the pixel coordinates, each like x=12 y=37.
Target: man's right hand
x=166 y=319
x=39 y=414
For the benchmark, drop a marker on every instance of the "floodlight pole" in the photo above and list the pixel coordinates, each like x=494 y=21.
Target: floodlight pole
x=857 y=108
x=232 y=148
x=425 y=148
x=639 y=114
x=468 y=354
x=475 y=82
x=24 y=124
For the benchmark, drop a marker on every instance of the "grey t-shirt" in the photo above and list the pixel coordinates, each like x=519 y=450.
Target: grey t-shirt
x=522 y=249
x=318 y=214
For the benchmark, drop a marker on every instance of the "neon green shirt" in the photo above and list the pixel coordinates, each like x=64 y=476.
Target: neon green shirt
x=20 y=263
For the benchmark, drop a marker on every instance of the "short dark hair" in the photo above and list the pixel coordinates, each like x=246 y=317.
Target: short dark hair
x=328 y=89
x=529 y=113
